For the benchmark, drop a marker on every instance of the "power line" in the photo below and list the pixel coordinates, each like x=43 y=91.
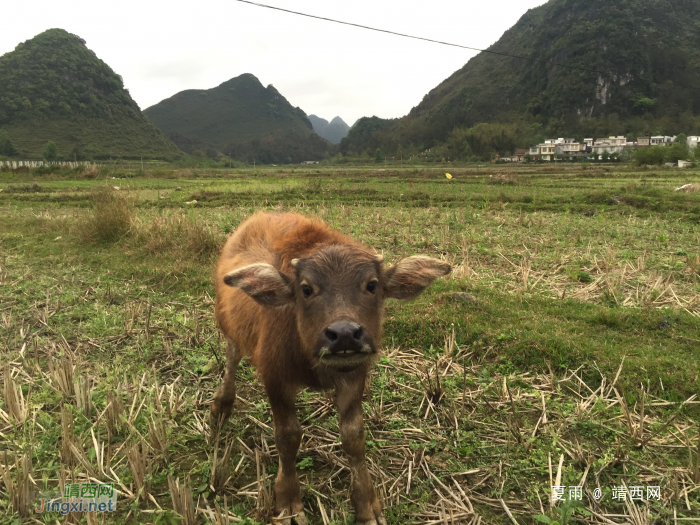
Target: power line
x=420 y=37
x=548 y=62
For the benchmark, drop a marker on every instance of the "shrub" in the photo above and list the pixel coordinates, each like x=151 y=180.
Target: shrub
x=50 y=152
x=650 y=156
x=178 y=234
x=87 y=171
x=7 y=148
x=111 y=217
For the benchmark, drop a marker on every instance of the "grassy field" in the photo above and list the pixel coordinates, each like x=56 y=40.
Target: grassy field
x=564 y=350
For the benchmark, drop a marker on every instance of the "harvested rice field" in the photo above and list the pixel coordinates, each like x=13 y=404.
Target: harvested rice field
x=553 y=377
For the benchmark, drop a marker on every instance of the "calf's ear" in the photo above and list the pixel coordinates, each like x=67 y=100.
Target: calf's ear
x=262 y=282
x=410 y=276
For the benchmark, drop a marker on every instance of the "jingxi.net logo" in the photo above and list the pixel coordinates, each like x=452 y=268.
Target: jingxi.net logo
x=80 y=497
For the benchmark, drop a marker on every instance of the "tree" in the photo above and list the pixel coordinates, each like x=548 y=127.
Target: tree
x=677 y=151
x=605 y=155
x=378 y=155
x=642 y=103
x=650 y=156
x=6 y=147
x=50 y=152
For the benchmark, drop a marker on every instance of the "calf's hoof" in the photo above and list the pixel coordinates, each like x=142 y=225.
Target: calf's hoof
x=379 y=520
x=368 y=512
x=287 y=518
x=219 y=413
x=373 y=517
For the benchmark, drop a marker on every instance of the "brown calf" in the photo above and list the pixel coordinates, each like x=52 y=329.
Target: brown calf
x=304 y=303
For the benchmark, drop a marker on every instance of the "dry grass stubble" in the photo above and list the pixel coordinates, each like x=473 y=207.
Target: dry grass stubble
x=113 y=218
x=178 y=234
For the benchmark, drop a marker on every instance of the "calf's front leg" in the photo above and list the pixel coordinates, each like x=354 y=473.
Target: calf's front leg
x=287 y=439
x=368 y=509
x=225 y=396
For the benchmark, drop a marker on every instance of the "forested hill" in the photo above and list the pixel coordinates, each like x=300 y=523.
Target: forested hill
x=241 y=119
x=640 y=73
x=53 y=88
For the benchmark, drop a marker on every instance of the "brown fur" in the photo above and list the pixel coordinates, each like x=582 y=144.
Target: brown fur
x=264 y=273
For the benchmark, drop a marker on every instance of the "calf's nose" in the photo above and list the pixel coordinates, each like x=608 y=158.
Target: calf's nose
x=344 y=336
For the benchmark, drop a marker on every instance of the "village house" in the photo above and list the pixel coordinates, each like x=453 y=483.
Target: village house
x=547 y=150
x=518 y=156
x=611 y=145
x=661 y=140
x=617 y=141
x=569 y=148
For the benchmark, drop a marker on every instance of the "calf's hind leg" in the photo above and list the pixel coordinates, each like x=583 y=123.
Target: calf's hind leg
x=226 y=393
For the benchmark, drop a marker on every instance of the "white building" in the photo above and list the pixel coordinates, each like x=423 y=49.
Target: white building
x=618 y=141
x=693 y=141
x=661 y=140
x=611 y=145
x=544 y=151
x=569 y=147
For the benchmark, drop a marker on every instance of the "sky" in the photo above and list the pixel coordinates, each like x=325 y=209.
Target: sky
x=161 y=48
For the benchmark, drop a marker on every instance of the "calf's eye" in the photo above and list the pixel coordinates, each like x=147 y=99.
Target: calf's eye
x=372 y=286
x=306 y=290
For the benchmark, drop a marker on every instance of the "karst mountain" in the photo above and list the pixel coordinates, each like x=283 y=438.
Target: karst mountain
x=240 y=119
x=54 y=88
x=633 y=67
x=333 y=131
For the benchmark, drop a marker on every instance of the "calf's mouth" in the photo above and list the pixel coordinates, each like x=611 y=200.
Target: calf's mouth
x=347 y=360
x=344 y=346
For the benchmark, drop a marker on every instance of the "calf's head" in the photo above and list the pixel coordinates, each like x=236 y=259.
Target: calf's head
x=337 y=293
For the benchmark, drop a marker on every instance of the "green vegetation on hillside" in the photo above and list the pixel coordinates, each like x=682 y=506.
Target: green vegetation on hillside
x=53 y=87
x=648 y=53
x=364 y=136
x=7 y=148
x=239 y=119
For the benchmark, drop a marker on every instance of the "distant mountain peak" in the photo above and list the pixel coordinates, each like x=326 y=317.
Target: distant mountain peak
x=242 y=119
x=333 y=131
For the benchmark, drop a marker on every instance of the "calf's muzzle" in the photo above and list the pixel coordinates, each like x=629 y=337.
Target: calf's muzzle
x=344 y=345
